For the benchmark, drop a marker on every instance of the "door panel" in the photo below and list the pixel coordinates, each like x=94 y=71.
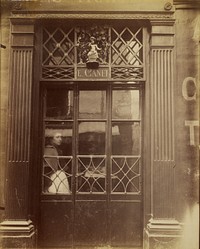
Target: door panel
x=56 y=223
x=90 y=227
x=92 y=167
x=126 y=223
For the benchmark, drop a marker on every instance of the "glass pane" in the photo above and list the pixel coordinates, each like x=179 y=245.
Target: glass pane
x=59 y=104
x=125 y=104
x=91 y=170
x=92 y=138
x=57 y=159
x=92 y=104
x=126 y=138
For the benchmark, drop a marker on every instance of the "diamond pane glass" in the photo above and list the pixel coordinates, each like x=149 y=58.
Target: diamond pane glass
x=65 y=49
x=126 y=46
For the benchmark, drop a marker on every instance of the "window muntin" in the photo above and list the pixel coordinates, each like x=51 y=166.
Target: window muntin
x=105 y=154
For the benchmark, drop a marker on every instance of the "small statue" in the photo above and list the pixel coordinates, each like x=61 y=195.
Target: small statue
x=93 y=53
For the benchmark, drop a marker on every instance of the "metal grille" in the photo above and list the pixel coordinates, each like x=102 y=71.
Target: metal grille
x=65 y=49
x=58 y=53
x=57 y=72
x=57 y=181
x=125 y=174
x=126 y=54
x=126 y=47
x=91 y=174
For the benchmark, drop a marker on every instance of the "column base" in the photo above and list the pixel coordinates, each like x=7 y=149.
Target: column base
x=17 y=234
x=162 y=234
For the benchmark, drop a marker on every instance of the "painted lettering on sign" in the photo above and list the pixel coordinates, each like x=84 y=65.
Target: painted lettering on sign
x=189 y=89
x=85 y=73
x=192 y=124
x=189 y=92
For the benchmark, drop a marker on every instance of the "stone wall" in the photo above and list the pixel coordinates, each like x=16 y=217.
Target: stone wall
x=4 y=84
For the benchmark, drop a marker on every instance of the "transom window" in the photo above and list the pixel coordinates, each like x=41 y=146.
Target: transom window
x=92 y=139
x=117 y=49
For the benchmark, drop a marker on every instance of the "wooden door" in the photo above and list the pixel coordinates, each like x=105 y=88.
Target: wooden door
x=91 y=192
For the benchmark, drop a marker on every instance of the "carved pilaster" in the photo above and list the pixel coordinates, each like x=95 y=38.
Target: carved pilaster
x=17 y=224
x=162 y=132
x=163 y=230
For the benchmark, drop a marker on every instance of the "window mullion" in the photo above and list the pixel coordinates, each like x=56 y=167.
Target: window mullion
x=109 y=136
x=75 y=138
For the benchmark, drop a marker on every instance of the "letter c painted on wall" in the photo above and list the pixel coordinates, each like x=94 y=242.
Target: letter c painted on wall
x=189 y=89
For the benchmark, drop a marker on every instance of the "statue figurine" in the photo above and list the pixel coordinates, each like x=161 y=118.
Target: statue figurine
x=93 y=53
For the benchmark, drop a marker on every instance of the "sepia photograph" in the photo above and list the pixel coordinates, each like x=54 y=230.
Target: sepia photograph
x=99 y=124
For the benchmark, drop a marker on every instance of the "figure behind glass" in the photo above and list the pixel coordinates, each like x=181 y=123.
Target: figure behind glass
x=55 y=179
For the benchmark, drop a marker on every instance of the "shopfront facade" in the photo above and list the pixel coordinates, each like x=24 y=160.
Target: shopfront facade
x=102 y=145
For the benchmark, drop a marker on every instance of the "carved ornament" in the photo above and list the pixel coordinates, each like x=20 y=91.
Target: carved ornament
x=92 y=46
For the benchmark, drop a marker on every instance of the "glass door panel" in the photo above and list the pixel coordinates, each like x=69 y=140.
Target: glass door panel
x=125 y=104
x=126 y=138
x=92 y=104
x=59 y=104
x=92 y=164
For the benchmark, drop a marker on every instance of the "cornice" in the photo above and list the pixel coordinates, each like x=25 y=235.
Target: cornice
x=111 y=16
x=176 y=2
x=187 y=4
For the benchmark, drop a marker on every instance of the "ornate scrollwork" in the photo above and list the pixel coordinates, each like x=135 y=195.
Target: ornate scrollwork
x=92 y=44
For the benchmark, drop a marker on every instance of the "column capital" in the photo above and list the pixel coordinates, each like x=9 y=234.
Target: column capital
x=162 y=22
x=162 y=33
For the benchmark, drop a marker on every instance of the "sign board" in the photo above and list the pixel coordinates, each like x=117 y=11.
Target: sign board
x=100 y=73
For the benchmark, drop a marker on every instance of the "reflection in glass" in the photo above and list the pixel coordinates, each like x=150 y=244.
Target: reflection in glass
x=92 y=104
x=59 y=104
x=127 y=140
x=125 y=104
x=91 y=138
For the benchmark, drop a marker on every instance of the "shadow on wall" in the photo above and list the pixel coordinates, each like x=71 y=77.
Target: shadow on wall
x=190 y=237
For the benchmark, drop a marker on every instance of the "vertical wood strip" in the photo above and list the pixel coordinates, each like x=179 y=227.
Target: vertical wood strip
x=20 y=105
x=162 y=95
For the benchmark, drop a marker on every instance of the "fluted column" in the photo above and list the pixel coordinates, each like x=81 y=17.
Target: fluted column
x=162 y=228
x=17 y=227
x=162 y=124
